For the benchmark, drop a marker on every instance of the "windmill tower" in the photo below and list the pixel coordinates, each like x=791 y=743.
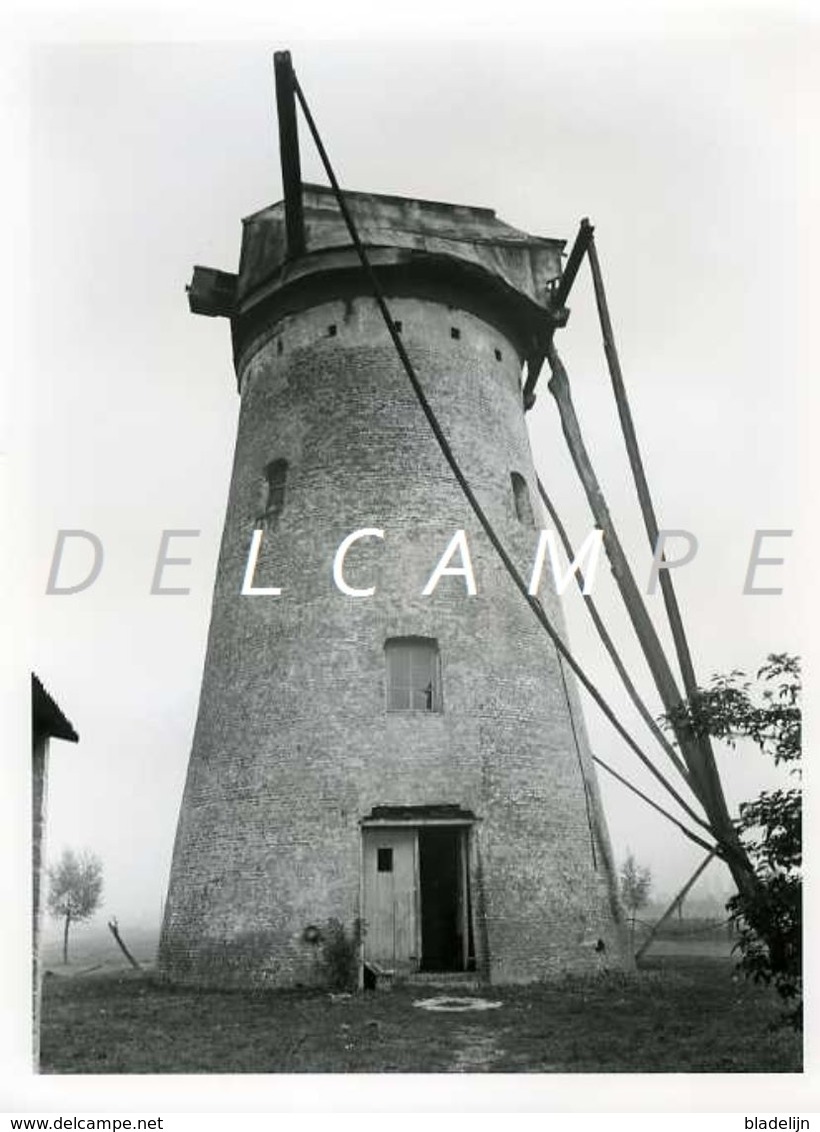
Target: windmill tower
x=376 y=744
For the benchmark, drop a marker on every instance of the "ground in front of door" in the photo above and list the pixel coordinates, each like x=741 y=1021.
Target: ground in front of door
x=678 y=1014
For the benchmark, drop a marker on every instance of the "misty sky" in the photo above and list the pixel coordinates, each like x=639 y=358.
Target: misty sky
x=688 y=148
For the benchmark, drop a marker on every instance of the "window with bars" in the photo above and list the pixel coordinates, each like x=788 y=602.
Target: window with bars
x=413 y=674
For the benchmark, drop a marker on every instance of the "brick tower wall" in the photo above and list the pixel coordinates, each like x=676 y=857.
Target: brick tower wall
x=294 y=744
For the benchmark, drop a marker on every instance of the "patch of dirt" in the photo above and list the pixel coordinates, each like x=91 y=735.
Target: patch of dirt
x=456 y=1004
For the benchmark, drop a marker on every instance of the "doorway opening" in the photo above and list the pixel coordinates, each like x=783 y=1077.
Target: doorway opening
x=416 y=888
x=444 y=899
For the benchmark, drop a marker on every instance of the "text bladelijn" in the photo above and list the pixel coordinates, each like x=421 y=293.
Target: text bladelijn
x=789 y=1122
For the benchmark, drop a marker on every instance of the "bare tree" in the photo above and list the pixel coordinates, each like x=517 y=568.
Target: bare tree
x=74 y=889
x=636 y=883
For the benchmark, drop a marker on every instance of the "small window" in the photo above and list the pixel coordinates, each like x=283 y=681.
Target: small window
x=455 y=332
x=413 y=682
x=276 y=474
x=384 y=860
x=521 y=500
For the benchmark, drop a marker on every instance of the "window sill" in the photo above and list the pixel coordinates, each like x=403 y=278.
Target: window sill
x=413 y=711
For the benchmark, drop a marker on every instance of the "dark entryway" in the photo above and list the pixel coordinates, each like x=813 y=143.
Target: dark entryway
x=416 y=888
x=441 y=873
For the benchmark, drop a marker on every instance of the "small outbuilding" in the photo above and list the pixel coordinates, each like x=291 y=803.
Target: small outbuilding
x=47 y=722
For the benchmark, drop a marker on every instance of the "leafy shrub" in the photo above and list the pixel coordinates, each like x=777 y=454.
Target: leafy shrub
x=340 y=955
x=769 y=920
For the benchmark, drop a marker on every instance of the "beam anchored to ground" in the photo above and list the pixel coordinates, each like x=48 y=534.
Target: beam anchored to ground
x=707 y=770
x=701 y=772
x=678 y=898
x=115 y=931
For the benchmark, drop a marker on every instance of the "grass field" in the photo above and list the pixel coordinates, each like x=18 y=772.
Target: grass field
x=678 y=1014
x=92 y=948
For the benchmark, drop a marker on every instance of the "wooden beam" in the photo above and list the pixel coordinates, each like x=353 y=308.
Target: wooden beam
x=559 y=296
x=678 y=899
x=606 y=639
x=702 y=776
x=212 y=292
x=645 y=631
x=114 y=929
x=639 y=475
x=556 y=311
x=289 y=154
x=649 y=801
x=706 y=767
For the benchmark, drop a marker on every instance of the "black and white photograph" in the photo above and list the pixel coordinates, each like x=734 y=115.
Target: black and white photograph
x=409 y=442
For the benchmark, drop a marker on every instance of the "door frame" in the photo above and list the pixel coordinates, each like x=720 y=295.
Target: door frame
x=465 y=898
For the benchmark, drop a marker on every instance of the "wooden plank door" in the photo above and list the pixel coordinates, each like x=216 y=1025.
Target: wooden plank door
x=389 y=860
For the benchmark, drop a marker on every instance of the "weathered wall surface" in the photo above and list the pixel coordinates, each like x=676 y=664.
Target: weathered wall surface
x=294 y=743
x=39 y=791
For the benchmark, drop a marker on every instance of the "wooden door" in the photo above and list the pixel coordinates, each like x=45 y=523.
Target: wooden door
x=389 y=860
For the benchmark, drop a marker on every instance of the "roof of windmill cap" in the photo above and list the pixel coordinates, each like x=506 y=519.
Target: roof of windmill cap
x=411 y=227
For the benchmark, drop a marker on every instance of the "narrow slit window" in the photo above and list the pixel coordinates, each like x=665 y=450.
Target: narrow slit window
x=384 y=860
x=273 y=491
x=521 y=500
x=413 y=674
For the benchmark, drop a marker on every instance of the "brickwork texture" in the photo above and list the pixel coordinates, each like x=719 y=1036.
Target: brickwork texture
x=294 y=743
